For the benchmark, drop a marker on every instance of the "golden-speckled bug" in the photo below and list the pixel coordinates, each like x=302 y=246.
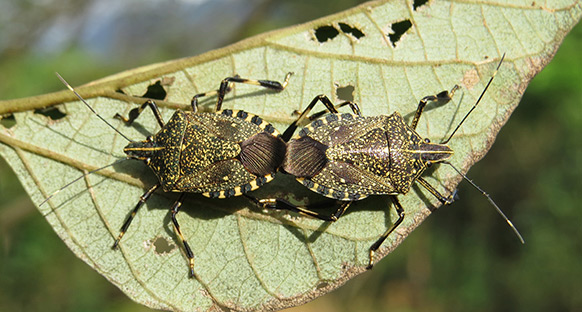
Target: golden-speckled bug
x=349 y=157
x=219 y=154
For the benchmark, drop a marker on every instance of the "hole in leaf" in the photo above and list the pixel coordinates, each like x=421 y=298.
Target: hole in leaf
x=325 y=33
x=8 y=121
x=156 y=91
x=162 y=246
x=418 y=3
x=51 y=112
x=345 y=93
x=355 y=32
x=398 y=29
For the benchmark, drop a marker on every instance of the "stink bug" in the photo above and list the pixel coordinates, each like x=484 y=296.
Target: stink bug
x=349 y=157
x=221 y=154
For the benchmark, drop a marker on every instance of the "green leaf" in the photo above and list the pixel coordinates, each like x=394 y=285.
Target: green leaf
x=390 y=53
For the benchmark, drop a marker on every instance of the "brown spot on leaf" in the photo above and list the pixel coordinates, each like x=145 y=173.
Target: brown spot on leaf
x=470 y=79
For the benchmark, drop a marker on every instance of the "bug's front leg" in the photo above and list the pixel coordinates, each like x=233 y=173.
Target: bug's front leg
x=443 y=97
x=134 y=113
x=443 y=199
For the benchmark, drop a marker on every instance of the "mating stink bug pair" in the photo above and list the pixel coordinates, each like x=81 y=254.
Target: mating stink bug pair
x=346 y=157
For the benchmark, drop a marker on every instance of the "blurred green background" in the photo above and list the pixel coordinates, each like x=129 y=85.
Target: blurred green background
x=462 y=258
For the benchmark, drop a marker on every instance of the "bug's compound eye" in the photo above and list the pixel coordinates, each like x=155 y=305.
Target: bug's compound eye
x=149 y=139
x=428 y=164
x=427 y=140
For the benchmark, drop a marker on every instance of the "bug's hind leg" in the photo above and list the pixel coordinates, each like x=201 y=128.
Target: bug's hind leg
x=225 y=87
x=382 y=238
x=189 y=254
x=329 y=108
x=281 y=204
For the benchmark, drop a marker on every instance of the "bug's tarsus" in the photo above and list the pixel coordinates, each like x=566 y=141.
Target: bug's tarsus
x=455 y=195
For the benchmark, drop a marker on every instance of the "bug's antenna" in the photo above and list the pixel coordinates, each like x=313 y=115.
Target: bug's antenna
x=79 y=178
x=91 y=108
x=476 y=103
x=490 y=200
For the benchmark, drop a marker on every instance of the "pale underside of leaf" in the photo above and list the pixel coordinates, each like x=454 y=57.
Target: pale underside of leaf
x=247 y=259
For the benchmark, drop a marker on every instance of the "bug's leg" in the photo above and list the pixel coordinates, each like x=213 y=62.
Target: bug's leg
x=443 y=97
x=134 y=113
x=127 y=222
x=329 y=108
x=187 y=249
x=355 y=108
x=281 y=204
x=225 y=87
x=445 y=200
x=382 y=238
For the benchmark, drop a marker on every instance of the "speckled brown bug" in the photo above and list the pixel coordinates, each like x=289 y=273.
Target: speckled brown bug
x=349 y=157
x=221 y=154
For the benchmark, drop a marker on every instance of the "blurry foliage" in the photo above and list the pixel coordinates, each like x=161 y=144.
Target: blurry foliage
x=464 y=257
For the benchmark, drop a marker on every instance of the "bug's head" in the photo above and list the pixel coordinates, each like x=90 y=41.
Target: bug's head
x=142 y=150
x=431 y=153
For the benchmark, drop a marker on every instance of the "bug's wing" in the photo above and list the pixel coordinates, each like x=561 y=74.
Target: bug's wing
x=342 y=128
x=221 y=179
x=228 y=154
x=343 y=181
x=262 y=154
